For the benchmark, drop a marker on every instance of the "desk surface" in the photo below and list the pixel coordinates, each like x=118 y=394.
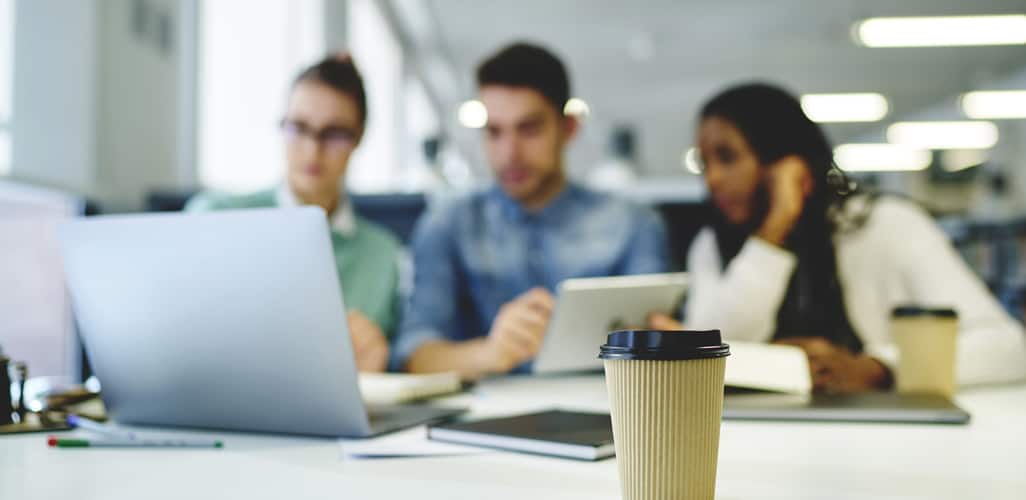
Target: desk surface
x=985 y=459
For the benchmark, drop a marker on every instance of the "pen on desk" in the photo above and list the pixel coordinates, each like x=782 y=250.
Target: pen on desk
x=55 y=442
x=89 y=425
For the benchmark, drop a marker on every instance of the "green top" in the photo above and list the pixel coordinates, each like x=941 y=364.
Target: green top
x=367 y=259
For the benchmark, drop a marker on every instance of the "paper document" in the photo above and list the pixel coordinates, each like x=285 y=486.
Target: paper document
x=768 y=367
x=406 y=444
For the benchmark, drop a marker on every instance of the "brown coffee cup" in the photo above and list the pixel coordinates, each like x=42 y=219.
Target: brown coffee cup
x=666 y=395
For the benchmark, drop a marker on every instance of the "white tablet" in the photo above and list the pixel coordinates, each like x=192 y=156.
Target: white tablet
x=587 y=309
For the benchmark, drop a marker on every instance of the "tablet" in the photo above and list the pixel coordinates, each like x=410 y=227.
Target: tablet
x=587 y=309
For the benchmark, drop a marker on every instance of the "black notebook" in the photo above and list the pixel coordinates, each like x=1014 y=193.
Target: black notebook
x=566 y=434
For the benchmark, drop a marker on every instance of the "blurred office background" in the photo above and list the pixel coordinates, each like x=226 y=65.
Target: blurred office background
x=134 y=104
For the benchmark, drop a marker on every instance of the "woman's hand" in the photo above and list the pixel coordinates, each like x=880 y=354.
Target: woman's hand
x=788 y=182
x=370 y=348
x=836 y=370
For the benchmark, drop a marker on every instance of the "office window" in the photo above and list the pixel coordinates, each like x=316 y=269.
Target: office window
x=421 y=125
x=6 y=80
x=376 y=163
x=249 y=53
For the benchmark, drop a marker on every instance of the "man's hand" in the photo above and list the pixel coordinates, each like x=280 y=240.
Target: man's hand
x=663 y=321
x=370 y=348
x=518 y=330
x=836 y=370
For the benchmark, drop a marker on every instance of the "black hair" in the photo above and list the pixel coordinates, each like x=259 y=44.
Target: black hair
x=526 y=65
x=339 y=73
x=774 y=125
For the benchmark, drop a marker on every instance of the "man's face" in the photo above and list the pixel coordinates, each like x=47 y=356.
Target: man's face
x=524 y=140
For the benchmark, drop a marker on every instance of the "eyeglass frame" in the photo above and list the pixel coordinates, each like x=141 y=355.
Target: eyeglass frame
x=333 y=138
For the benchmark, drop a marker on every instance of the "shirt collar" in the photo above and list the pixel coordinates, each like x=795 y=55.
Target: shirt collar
x=556 y=208
x=343 y=219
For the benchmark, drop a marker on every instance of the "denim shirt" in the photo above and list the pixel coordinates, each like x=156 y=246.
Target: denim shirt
x=478 y=252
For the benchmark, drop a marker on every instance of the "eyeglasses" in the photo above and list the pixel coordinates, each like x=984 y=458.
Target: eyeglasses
x=334 y=139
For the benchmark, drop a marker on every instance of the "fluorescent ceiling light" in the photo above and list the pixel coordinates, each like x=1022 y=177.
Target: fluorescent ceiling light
x=472 y=114
x=691 y=162
x=826 y=108
x=994 y=104
x=949 y=31
x=957 y=160
x=944 y=135
x=577 y=107
x=881 y=158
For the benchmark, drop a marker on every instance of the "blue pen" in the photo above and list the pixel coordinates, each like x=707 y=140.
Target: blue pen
x=89 y=425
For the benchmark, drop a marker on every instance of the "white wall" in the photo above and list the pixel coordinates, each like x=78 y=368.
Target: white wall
x=138 y=133
x=96 y=97
x=6 y=65
x=56 y=82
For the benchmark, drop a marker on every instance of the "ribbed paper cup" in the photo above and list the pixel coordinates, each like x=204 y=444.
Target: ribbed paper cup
x=927 y=340
x=666 y=399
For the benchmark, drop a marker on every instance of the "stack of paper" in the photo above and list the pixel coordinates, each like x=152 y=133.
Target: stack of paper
x=395 y=388
x=410 y=443
x=768 y=367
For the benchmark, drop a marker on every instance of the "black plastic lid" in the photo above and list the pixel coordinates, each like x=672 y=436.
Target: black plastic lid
x=664 y=345
x=916 y=311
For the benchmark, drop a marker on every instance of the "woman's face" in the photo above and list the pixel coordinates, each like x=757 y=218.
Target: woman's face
x=322 y=127
x=732 y=171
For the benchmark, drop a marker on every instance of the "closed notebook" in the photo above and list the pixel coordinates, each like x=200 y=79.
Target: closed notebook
x=566 y=434
x=395 y=388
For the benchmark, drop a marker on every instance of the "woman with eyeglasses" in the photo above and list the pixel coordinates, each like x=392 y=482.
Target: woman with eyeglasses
x=327 y=110
x=793 y=257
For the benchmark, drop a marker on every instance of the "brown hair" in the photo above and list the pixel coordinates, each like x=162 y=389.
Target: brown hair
x=338 y=72
x=531 y=66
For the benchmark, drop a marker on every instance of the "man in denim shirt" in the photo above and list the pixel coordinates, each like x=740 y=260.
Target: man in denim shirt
x=487 y=263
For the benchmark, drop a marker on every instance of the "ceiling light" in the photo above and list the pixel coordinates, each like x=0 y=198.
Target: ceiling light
x=472 y=114
x=691 y=161
x=577 y=107
x=995 y=104
x=863 y=107
x=881 y=158
x=946 y=31
x=944 y=135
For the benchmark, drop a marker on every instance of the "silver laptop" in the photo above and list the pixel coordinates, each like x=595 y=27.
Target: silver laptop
x=587 y=309
x=229 y=320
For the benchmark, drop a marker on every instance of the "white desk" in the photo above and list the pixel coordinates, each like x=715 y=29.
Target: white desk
x=986 y=459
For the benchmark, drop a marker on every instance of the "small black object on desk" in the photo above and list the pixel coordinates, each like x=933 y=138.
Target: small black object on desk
x=6 y=406
x=20 y=420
